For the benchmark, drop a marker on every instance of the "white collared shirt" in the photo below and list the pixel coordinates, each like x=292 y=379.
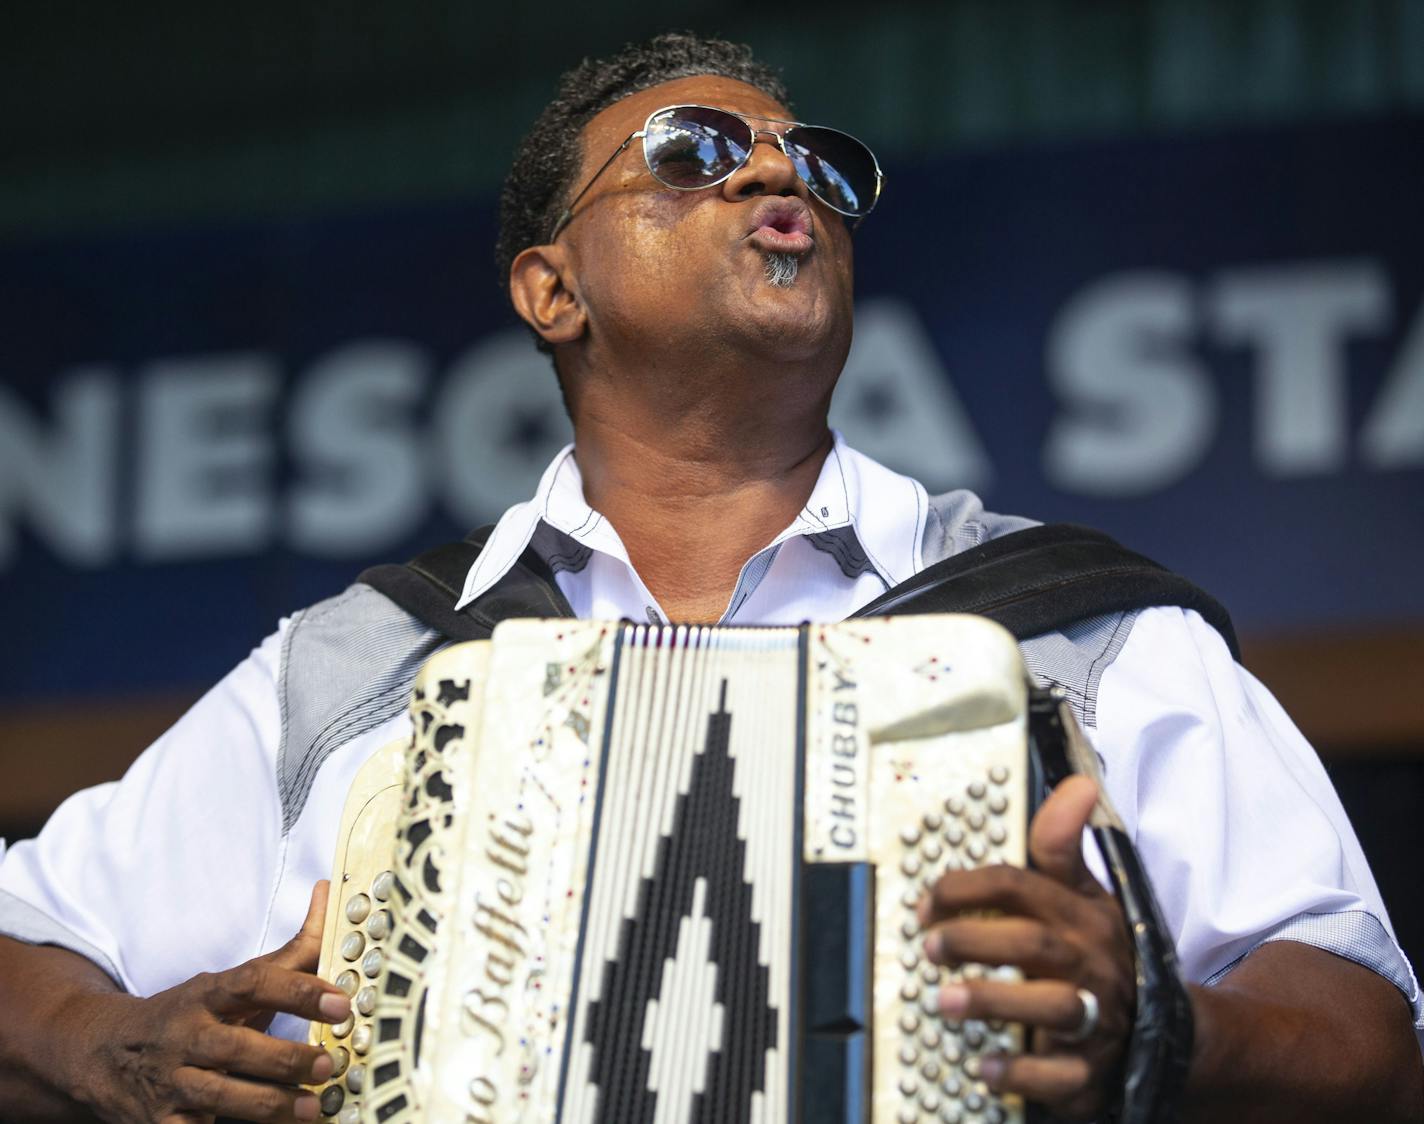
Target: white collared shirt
x=848 y=544
x=1230 y=809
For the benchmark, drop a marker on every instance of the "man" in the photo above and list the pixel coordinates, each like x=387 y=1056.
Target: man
x=698 y=323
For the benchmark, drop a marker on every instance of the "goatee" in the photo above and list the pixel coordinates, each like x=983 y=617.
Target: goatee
x=781 y=269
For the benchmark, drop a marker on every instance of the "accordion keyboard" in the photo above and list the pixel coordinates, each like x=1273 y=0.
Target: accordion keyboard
x=358 y=927
x=938 y=1060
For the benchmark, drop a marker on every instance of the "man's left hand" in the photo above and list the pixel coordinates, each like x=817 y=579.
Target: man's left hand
x=1065 y=932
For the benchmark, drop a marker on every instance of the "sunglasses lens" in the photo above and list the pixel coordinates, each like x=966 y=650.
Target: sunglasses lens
x=835 y=165
x=691 y=146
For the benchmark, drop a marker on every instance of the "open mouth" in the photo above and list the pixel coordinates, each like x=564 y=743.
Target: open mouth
x=781 y=225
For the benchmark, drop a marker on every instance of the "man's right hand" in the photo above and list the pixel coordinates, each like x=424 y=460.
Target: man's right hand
x=198 y=1049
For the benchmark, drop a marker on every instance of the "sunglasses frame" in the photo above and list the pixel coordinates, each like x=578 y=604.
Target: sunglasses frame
x=756 y=134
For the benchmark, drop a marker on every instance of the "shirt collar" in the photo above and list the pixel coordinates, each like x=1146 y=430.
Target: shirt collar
x=884 y=510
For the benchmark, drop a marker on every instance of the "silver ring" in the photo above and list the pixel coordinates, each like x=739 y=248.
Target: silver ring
x=1089 y=1022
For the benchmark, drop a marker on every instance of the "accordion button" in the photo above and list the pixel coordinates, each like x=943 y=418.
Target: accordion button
x=351 y=1114
x=954 y=835
x=929 y=1002
x=998 y=803
x=951 y=1054
x=999 y=774
x=366 y=1000
x=954 y=806
x=340 y=1058
x=974 y=1100
x=909 y=836
x=932 y=821
x=371 y=965
x=929 y=1100
x=951 y=1085
x=994 y=1115
x=361 y=1040
x=343 y=1028
x=908 y=1086
x=929 y=1038
x=382 y=885
x=909 y=990
x=976 y=790
x=908 y=960
x=976 y=820
x=909 y=928
x=909 y=1023
x=348 y=982
x=949 y=1113
x=378 y=928
x=977 y=850
x=971 y=1067
x=909 y=1055
x=907 y=1115
x=356 y=1079
x=909 y=866
x=931 y=850
x=352 y=944
x=910 y=899
x=331 y=1099
x=930 y=1070
x=357 y=907
x=997 y=834
x=973 y=1037
x=929 y=973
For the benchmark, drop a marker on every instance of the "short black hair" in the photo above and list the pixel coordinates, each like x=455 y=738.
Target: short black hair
x=539 y=183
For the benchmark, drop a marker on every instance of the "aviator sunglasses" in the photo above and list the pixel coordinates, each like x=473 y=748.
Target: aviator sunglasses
x=689 y=147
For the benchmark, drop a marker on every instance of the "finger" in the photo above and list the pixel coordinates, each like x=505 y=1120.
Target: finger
x=205 y=1090
x=1051 y=1079
x=1023 y=942
x=1055 y=839
x=238 y=1049
x=1050 y=1004
x=259 y=986
x=1008 y=889
x=303 y=951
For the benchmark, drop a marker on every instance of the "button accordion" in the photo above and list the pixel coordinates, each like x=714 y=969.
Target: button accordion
x=659 y=874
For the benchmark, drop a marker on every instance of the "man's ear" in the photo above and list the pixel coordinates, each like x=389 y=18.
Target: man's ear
x=540 y=287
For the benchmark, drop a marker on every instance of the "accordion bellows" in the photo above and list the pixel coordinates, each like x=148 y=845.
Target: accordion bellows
x=661 y=874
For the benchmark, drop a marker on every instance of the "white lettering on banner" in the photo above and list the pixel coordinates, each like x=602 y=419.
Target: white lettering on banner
x=1298 y=318
x=895 y=401
x=361 y=475
x=1141 y=410
x=1393 y=433
x=1138 y=414
x=205 y=456
x=63 y=481
x=500 y=420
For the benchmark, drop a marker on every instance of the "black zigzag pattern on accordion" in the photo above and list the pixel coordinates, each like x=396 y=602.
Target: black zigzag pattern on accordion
x=703 y=844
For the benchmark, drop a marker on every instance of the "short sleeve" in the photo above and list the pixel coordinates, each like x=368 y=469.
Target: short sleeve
x=171 y=870
x=1231 y=810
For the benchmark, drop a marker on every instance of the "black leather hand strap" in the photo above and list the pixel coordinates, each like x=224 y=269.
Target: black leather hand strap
x=1159 y=1048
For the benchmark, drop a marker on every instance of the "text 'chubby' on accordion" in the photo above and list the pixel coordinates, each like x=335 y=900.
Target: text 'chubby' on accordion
x=634 y=873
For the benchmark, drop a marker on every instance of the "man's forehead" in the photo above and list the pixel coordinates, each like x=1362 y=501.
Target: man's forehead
x=628 y=114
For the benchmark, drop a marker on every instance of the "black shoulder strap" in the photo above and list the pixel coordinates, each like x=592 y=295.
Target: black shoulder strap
x=428 y=586
x=1032 y=581
x=1044 y=578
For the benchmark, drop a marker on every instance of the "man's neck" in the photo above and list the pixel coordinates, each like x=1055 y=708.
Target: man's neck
x=694 y=496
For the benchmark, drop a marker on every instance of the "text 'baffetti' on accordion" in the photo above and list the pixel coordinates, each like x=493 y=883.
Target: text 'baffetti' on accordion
x=660 y=874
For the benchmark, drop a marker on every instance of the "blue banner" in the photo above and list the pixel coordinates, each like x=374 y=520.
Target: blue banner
x=1210 y=346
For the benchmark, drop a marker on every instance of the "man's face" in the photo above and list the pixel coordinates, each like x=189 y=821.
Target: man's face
x=657 y=265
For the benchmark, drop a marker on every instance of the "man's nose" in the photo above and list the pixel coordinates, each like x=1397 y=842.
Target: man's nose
x=768 y=171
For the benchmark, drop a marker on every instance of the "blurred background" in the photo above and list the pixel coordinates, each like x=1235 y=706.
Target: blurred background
x=1154 y=266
